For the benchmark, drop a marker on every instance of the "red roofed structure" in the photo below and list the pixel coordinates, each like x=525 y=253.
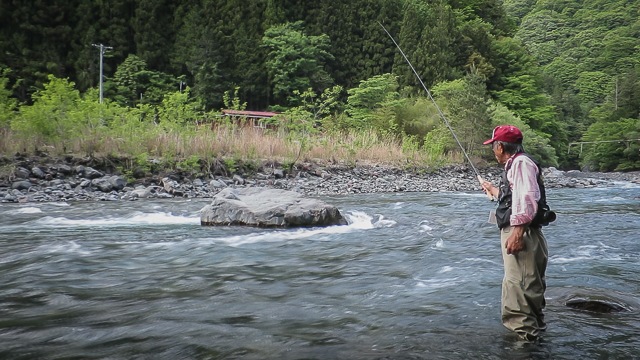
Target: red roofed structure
x=250 y=118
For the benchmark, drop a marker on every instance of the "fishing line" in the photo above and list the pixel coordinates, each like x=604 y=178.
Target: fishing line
x=444 y=118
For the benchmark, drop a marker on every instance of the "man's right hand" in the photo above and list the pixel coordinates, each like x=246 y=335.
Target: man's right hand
x=489 y=189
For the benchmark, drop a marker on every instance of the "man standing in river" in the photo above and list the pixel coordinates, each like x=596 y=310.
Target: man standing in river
x=520 y=215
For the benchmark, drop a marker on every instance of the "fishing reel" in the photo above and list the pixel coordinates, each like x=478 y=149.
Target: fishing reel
x=545 y=216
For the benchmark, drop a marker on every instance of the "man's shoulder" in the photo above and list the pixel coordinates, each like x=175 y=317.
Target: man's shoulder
x=524 y=160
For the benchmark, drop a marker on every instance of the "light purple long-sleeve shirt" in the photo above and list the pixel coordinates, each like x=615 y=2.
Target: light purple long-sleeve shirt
x=525 y=191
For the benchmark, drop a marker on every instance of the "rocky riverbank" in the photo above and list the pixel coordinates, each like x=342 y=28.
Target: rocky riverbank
x=43 y=179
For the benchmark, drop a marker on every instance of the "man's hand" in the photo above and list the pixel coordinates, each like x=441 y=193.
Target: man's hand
x=514 y=243
x=489 y=189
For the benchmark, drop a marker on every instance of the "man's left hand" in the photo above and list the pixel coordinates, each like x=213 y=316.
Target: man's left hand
x=515 y=243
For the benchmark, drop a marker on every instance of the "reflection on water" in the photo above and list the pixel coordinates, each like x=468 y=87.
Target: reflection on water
x=414 y=275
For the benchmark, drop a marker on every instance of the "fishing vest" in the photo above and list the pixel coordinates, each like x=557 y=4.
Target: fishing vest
x=503 y=213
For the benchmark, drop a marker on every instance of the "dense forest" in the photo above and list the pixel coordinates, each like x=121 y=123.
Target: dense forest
x=567 y=72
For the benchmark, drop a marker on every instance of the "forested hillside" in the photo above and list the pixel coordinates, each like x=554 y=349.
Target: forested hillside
x=216 y=45
x=564 y=71
x=589 y=53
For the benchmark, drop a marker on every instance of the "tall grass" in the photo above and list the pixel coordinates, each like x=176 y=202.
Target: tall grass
x=226 y=141
x=63 y=122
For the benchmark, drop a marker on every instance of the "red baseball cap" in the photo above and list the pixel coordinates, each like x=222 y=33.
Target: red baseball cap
x=506 y=133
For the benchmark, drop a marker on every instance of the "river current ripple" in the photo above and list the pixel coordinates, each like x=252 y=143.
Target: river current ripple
x=413 y=275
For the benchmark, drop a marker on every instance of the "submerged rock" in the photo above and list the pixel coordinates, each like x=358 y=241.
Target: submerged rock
x=595 y=305
x=598 y=301
x=268 y=208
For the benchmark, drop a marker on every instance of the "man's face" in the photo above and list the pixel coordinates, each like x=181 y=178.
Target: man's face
x=498 y=151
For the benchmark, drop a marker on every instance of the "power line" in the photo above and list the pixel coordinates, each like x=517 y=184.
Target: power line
x=597 y=142
x=102 y=49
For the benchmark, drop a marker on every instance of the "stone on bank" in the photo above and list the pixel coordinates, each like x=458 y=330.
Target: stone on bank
x=268 y=208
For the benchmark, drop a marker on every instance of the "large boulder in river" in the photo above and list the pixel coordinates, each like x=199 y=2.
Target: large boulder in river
x=268 y=208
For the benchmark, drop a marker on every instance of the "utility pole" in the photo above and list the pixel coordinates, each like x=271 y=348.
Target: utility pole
x=102 y=49
x=616 y=93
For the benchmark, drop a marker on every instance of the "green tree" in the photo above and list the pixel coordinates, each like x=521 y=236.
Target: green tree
x=274 y=13
x=418 y=117
x=35 y=39
x=133 y=83
x=8 y=104
x=375 y=103
x=520 y=88
x=488 y=11
x=466 y=103
x=154 y=32
x=429 y=36
x=357 y=41
x=295 y=61
x=199 y=49
x=523 y=95
x=247 y=55
x=616 y=147
x=233 y=101
x=93 y=121
x=178 y=110
x=113 y=28
x=546 y=32
x=316 y=108
x=51 y=117
x=539 y=146
x=623 y=100
x=590 y=50
x=571 y=114
x=593 y=86
x=84 y=55
x=517 y=9
x=564 y=70
x=626 y=95
x=620 y=50
x=412 y=26
x=439 y=44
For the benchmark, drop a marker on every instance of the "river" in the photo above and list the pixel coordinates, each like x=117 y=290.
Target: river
x=413 y=276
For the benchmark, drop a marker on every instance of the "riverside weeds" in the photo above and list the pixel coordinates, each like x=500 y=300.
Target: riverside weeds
x=229 y=141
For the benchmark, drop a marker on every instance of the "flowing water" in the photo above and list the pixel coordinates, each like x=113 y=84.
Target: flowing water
x=413 y=275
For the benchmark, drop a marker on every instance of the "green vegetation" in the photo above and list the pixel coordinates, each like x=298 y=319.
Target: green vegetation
x=295 y=61
x=589 y=57
x=563 y=71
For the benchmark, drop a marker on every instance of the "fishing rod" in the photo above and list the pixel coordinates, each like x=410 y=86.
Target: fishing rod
x=444 y=118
